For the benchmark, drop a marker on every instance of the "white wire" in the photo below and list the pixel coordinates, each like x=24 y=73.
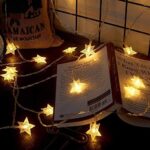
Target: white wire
x=50 y=125
x=15 y=63
x=9 y=127
x=36 y=83
x=43 y=69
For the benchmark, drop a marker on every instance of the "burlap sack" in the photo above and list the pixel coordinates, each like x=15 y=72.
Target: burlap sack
x=28 y=24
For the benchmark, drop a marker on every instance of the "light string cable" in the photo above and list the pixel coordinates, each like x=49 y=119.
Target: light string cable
x=8 y=127
x=84 y=138
x=16 y=97
x=15 y=63
x=52 y=122
x=134 y=22
x=36 y=83
x=43 y=69
x=22 y=57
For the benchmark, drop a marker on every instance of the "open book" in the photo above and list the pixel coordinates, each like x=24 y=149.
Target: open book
x=106 y=82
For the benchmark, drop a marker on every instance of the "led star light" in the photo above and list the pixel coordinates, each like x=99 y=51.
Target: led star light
x=25 y=126
x=89 y=50
x=137 y=82
x=131 y=92
x=69 y=50
x=39 y=59
x=11 y=48
x=10 y=74
x=129 y=51
x=8 y=77
x=77 y=87
x=94 y=131
x=48 y=110
x=10 y=70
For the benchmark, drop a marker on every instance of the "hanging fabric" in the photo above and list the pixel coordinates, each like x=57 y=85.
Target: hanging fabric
x=29 y=24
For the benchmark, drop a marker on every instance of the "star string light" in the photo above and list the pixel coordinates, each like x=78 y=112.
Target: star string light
x=8 y=77
x=25 y=126
x=11 y=70
x=10 y=74
x=11 y=48
x=94 y=131
x=89 y=50
x=48 y=110
x=129 y=51
x=137 y=82
x=39 y=59
x=77 y=87
x=69 y=50
x=131 y=92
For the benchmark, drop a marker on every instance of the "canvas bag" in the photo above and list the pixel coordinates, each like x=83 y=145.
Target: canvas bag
x=28 y=24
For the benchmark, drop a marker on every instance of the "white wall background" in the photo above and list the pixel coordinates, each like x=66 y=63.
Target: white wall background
x=113 y=11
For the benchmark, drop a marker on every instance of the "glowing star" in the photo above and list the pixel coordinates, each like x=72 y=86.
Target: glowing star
x=69 y=50
x=89 y=50
x=10 y=70
x=39 y=59
x=8 y=76
x=48 y=110
x=77 y=87
x=25 y=126
x=137 y=83
x=11 y=48
x=129 y=51
x=94 y=131
x=131 y=92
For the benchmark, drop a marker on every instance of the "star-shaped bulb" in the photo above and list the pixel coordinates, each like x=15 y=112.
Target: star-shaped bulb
x=10 y=73
x=39 y=59
x=8 y=77
x=94 y=131
x=131 y=92
x=11 y=70
x=77 y=87
x=48 y=110
x=11 y=48
x=129 y=51
x=137 y=82
x=89 y=50
x=69 y=50
x=25 y=126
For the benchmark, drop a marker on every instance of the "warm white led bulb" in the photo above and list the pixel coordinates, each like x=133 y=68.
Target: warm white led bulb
x=48 y=110
x=25 y=126
x=137 y=82
x=129 y=51
x=77 y=87
x=131 y=92
x=39 y=59
x=94 y=131
x=88 y=51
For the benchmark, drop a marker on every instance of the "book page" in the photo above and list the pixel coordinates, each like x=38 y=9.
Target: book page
x=93 y=73
x=135 y=96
